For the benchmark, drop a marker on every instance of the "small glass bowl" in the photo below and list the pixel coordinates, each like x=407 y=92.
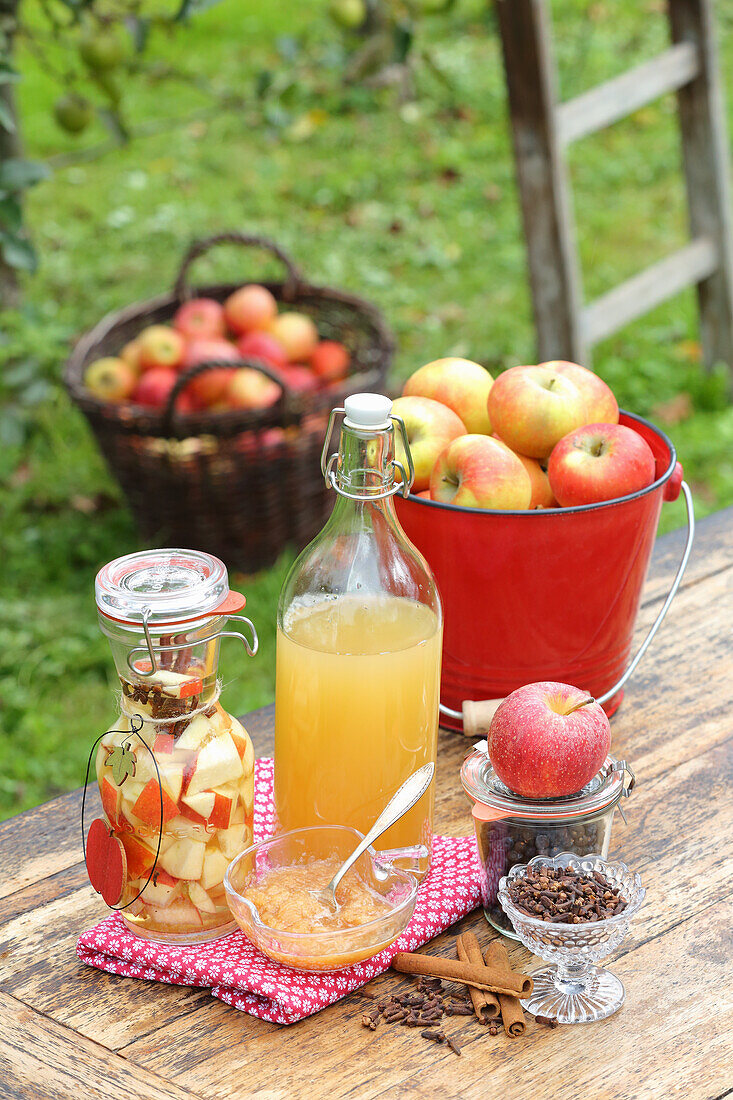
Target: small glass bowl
x=575 y=991
x=321 y=950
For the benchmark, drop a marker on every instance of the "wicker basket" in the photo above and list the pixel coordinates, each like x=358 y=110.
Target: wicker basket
x=241 y=484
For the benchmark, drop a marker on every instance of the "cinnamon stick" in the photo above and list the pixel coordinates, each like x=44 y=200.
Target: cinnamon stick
x=490 y=979
x=511 y=1011
x=485 y=1005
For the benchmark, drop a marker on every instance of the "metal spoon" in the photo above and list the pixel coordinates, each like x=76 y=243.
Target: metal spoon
x=400 y=802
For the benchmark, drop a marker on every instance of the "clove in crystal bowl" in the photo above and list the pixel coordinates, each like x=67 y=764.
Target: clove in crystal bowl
x=575 y=990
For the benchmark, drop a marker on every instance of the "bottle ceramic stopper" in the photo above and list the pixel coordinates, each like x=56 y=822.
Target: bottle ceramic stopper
x=368 y=411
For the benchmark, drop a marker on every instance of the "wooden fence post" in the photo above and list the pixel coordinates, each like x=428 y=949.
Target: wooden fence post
x=543 y=190
x=705 y=156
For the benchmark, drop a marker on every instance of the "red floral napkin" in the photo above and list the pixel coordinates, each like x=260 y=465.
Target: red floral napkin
x=239 y=974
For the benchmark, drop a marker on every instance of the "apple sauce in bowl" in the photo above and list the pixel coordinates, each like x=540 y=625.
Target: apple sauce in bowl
x=273 y=890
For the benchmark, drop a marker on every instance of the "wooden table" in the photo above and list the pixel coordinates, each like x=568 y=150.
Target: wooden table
x=67 y=1030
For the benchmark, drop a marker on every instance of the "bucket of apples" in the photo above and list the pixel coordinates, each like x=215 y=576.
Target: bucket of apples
x=209 y=404
x=536 y=503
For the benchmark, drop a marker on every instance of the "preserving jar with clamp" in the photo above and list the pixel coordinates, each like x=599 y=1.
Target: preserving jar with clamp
x=511 y=829
x=175 y=771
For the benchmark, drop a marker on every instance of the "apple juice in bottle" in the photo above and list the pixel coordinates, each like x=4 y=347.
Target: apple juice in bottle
x=173 y=745
x=359 y=635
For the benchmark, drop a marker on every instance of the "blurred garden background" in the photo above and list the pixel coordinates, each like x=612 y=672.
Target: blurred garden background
x=259 y=116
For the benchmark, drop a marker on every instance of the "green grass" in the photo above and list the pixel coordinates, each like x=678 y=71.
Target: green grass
x=412 y=206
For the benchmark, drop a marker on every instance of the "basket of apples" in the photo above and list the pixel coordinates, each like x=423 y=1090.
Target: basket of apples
x=210 y=404
x=536 y=503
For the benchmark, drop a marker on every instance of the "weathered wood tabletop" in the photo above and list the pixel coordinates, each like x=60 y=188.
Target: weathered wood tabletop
x=70 y=1031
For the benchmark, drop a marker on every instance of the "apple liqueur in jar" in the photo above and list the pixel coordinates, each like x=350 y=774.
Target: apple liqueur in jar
x=173 y=747
x=511 y=829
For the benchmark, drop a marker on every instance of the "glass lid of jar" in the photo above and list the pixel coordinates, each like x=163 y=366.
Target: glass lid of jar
x=172 y=585
x=482 y=784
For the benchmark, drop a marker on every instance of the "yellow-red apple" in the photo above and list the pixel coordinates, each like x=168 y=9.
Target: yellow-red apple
x=532 y=408
x=600 y=462
x=160 y=346
x=542 y=494
x=476 y=471
x=460 y=384
x=330 y=360
x=601 y=405
x=250 y=389
x=547 y=740
x=110 y=379
x=430 y=428
x=297 y=333
x=249 y=307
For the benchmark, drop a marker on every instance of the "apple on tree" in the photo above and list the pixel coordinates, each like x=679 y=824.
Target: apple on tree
x=460 y=384
x=547 y=740
x=600 y=462
x=476 y=471
x=430 y=428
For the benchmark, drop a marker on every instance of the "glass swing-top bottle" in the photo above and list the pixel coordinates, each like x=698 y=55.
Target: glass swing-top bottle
x=359 y=635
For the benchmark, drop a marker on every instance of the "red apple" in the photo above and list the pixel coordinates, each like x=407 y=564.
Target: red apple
x=110 y=379
x=532 y=408
x=601 y=405
x=476 y=471
x=153 y=388
x=206 y=351
x=208 y=388
x=261 y=345
x=147 y=805
x=600 y=462
x=330 y=360
x=250 y=307
x=430 y=428
x=200 y=319
x=160 y=346
x=299 y=378
x=250 y=389
x=297 y=334
x=548 y=740
x=460 y=384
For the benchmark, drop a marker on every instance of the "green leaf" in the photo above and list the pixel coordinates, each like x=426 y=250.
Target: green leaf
x=17 y=174
x=192 y=7
x=11 y=214
x=6 y=117
x=18 y=252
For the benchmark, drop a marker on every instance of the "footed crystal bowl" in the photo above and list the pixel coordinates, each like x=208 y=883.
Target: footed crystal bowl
x=575 y=991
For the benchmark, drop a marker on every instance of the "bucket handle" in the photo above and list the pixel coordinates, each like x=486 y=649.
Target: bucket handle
x=476 y=716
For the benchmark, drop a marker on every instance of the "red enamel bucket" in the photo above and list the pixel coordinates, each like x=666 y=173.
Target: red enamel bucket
x=550 y=594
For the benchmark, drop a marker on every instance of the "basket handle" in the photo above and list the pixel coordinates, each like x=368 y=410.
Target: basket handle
x=213 y=364
x=181 y=289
